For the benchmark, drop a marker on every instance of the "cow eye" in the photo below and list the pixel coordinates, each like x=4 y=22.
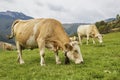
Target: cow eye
x=76 y=51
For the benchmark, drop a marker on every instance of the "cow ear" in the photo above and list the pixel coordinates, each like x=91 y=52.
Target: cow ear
x=68 y=47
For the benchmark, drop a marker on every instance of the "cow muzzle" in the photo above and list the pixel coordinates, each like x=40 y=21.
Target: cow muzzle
x=78 y=62
x=100 y=41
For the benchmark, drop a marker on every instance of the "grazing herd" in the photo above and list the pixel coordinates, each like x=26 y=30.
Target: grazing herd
x=49 y=33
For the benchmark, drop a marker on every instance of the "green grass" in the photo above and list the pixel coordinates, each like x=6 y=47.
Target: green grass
x=101 y=62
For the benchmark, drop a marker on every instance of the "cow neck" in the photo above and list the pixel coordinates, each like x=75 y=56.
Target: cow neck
x=63 y=42
x=95 y=30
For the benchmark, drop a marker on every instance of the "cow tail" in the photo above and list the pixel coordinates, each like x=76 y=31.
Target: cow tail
x=12 y=29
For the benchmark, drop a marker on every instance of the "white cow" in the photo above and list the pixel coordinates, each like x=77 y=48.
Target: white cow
x=89 y=31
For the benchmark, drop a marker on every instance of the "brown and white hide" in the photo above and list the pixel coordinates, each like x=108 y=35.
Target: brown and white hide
x=43 y=33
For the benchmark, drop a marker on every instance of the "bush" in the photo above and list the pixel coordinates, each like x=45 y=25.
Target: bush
x=106 y=27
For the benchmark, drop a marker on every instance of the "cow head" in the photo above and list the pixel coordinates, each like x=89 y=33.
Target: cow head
x=73 y=52
x=99 y=36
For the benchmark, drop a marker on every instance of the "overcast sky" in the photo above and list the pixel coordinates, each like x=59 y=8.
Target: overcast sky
x=66 y=11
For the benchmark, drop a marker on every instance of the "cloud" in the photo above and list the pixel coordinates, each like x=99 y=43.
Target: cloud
x=39 y=3
x=54 y=7
x=65 y=10
x=8 y=1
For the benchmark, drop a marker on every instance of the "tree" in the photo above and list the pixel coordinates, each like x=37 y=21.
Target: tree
x=118 y=17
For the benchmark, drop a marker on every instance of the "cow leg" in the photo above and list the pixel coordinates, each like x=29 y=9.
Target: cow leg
x=67 y=61
x=19 y=50
x=93 y=40
x=3 y=46
x=80 y=39
x=41 y=44
x=87 y=39
x=42 y=54
x=57 y=57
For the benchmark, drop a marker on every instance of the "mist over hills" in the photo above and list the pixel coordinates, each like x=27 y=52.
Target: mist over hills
x=7 y=18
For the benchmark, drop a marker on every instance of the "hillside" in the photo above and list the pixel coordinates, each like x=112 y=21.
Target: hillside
x=6 y=20
x=109 y=25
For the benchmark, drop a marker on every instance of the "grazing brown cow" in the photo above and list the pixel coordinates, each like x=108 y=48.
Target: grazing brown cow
x=43 y=33
x=7 y=46
x=89 y=31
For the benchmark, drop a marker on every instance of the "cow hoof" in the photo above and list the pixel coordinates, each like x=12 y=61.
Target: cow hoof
x=22 y=62
x=43 y=64
x=58 y=62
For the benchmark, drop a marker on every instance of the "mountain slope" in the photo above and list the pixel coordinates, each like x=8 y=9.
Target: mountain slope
x=6 y=20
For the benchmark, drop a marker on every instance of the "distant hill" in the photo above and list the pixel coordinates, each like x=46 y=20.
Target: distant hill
x=6 y=20
x=109 y=25
x=71 y=28
x=110 y=19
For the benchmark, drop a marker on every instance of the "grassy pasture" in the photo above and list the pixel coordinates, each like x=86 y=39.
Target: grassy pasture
x=101 y=62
